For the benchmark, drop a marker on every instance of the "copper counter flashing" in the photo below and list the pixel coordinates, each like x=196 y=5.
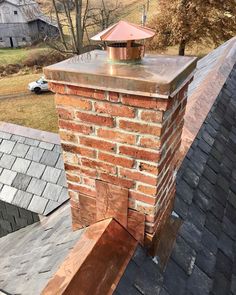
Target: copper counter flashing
x=166 y=240
x=96 y=263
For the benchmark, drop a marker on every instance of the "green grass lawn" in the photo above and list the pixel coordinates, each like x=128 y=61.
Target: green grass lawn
x=12 y=55
x=31 y=110
x=17 y=84
x=17 y=55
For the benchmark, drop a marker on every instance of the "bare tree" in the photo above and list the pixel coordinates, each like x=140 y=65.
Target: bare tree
x=104 y=13
x=76 y=25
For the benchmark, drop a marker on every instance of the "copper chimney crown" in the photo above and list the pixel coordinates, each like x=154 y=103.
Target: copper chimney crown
x=121 y=39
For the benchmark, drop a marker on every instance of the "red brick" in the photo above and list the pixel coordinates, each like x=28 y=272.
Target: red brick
x=95 y=119
x=83 y=151
x=152 y=116
x=148 y=190
x=85 y=92
x=66 y=114
x=116 y=160
x=74 y=101
x=167 y=133
x=116 y=136
x=73 y=177
x=140 y=127
x=56 y=88
x=114 y=96
x=175 y=114
x=75 y=90
x=183 y=92
x=97 y=144
x=99 y=165
x=146 y=208
x=139 y=176
x=88 y=181
x=99 y=94
x=152 y=169
x=82 y=189
x=142 y=197
x=151 y=218
x=138 y=153
x=68 y=136
x=80 y=128
x=145 y=102
x=150 y=142
x=81 y=170
x=114 y=109
x=117 y=180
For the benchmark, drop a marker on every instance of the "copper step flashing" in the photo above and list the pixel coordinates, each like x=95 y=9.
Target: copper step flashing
x=96 y=263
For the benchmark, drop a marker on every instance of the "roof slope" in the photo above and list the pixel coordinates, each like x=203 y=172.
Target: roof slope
x=203 y=260
x=32 y=172
x=38 y=251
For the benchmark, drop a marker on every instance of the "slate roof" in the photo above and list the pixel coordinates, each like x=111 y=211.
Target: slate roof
x=38 y=251
x=32 y=172
x=203 y=260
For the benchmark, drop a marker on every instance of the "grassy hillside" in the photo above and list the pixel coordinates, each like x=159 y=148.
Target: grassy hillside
x=16 y=84
x=24 y=108
x=17 y=55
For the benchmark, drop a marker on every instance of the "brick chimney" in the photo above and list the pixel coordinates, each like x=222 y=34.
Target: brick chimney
x=120 y=127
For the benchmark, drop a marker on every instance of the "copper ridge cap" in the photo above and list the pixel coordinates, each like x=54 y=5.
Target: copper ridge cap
x=124 y=31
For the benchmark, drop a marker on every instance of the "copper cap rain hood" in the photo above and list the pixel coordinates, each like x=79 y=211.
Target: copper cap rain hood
x=121 y=38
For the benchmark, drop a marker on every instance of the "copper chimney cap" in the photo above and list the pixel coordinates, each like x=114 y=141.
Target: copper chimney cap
x=122 y=36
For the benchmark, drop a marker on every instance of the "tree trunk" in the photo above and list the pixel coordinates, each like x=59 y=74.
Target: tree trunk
x=182 y=47
x=79 y=26
x=62 y=37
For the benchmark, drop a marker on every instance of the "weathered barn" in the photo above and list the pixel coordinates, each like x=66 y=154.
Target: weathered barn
x=22 y=23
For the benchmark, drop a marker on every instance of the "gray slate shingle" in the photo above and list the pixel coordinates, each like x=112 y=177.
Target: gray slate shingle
x=21 y=165
x=46 y=145
x=38 y=204
x=18 y=138
x=52 y=191
x=22 y=199
x=49 y=158
x=7 y=161
x=20 y=150
x=7 y=193
x=5 y=135
x=7 y=176
x=36 y=169
x=21 y=181
x=36 y=186
x=51 y=174
x=51 y=206
x=20 y=168
x=32 y=142
x=6 y=146
x=34 y=154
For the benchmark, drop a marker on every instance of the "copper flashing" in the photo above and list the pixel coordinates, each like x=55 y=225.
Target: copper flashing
x=111 y=202
x=136 y=225
x=96 y=263
x=155 y=76
x=204 y=94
